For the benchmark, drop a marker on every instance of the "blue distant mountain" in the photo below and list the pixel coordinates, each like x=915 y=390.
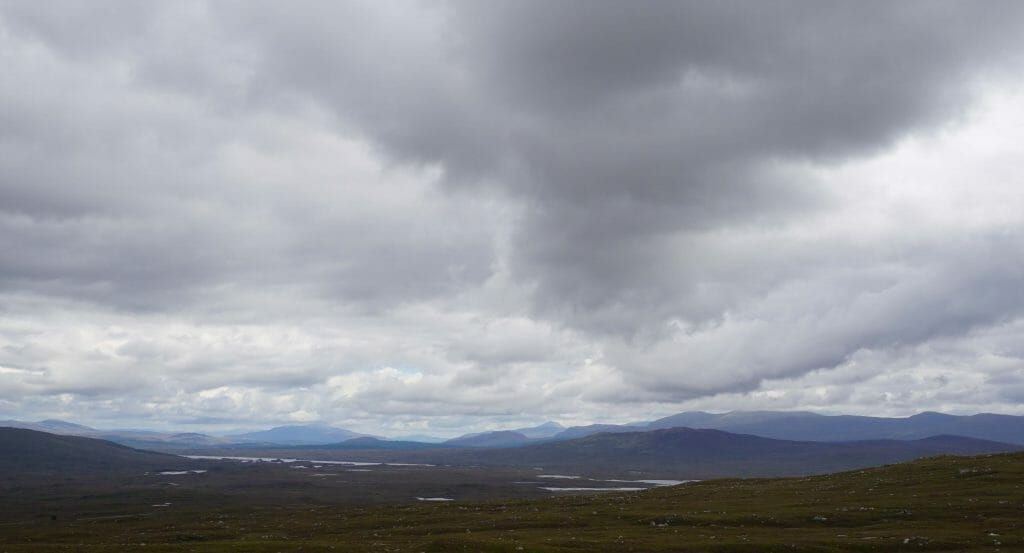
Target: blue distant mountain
x=132 y=438
x=499 y=438
x=52 y=426
x=802 y=425
x=791 y=425
x=422 y=438
x=508 y=438
x=574 y=432
x=308 y=434
x=545 y=430
x=782 y=425
x=367 y=443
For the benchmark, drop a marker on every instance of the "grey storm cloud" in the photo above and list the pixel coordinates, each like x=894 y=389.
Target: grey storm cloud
x=124 y=188
x=647 y=201
x=619 y=126
x=630 y=133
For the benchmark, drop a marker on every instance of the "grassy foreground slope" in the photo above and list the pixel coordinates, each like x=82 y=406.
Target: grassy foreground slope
x=938 y=504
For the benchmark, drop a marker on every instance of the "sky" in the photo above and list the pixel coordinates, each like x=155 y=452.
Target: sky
x=438 y=217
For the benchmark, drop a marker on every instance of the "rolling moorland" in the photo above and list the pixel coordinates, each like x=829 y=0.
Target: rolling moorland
x=76 y=494
x=673 y=453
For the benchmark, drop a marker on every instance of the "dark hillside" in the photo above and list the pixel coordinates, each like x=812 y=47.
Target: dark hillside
x=690 y=453
x=31 y=452
x=801 y=425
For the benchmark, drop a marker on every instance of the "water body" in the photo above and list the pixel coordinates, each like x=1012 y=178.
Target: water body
x=294 y=460
x=656 y=482
x=281 y=460
x=650 y=484
x=618 y=489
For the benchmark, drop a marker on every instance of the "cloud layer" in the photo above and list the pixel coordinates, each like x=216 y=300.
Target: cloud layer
x=424 y=217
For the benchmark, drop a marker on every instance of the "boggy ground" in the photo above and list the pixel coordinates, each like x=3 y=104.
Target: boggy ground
x=940 y=504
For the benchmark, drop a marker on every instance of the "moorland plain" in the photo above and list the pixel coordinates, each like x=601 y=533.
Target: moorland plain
x=937 y=504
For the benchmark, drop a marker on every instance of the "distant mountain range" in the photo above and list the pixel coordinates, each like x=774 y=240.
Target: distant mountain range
x=545 y=430
x=692 y=453
x=143 y=439
x=508 y=438
x=671 y=453
x=50 y=425
x=785 y=425
x=501 y=438
x=793 y=425
x=311 y=434
x=368 y=443
x=802 y=425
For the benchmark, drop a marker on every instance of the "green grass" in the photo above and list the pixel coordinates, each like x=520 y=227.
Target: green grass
x=939 y=504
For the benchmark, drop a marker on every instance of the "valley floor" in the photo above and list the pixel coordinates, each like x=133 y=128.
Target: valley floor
x=939 y=504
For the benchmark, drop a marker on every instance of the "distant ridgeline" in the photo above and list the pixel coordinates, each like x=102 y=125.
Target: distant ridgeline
x=25 y=451
x=783 y=425
x=798 y=425
x=682 y=453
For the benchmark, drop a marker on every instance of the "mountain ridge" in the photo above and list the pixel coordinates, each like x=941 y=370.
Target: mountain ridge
x=301 y=434
x=24 y=450
x=709 y=453
x=671 y=453
x=788 y=425
x=803 y=425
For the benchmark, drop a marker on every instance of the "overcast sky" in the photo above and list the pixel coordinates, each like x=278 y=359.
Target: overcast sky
x=435 y=217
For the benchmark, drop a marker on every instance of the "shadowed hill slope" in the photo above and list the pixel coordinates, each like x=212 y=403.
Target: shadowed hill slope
x=32 y=452
x=691 y=453
x=802 y=425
